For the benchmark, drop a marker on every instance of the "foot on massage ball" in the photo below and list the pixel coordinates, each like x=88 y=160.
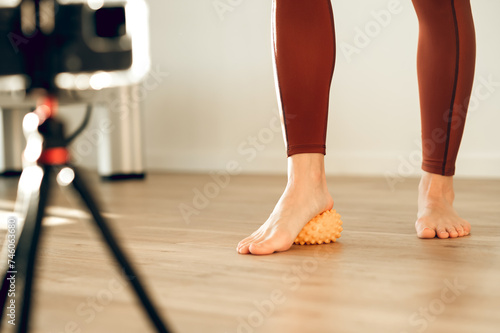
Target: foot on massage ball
x=323 y=228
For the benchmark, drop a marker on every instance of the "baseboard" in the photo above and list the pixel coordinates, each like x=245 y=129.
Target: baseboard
x=384 y=164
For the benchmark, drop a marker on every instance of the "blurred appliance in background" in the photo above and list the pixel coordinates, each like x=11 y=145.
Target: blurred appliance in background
x=120 y=151
x=12 y=141
x=120 y=154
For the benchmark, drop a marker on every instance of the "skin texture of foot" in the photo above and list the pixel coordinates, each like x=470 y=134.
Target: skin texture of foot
x=436 y=216
x=306 y=195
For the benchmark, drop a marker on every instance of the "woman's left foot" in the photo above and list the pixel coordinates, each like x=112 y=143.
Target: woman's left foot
x=436 y=216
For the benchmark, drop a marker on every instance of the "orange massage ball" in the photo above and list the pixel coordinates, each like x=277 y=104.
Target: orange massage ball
x=323 y=228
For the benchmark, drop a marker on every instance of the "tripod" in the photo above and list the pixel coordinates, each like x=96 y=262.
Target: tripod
x=46 y=153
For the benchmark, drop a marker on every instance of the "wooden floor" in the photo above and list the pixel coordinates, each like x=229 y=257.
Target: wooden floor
x=379 y=277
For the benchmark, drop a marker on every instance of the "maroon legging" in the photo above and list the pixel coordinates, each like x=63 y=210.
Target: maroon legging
x=304 y=55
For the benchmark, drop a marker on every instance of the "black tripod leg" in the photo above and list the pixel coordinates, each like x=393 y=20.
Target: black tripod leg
x=29 y=239
x=119 y=255
x=25 y=255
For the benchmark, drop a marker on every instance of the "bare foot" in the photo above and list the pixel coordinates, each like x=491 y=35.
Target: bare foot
x=306 y=195
x=436 y=215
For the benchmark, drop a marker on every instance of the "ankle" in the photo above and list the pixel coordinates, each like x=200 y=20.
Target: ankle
x=306 y=169
x=434 y=186
x=307 y=178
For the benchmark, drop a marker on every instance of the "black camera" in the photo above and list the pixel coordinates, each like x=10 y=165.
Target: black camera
x=71 y=45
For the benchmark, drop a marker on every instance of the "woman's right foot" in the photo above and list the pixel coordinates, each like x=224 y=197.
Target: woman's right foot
x=306 y=195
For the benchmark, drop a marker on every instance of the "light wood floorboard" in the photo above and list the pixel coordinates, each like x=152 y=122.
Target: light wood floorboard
x=377 y=278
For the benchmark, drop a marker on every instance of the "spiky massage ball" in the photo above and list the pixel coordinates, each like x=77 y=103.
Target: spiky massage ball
x=323 y=228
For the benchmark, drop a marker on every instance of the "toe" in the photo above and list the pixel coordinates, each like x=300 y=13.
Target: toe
x=426 y=233
x=276 y=242
x=243 y=248
x=245 y=243
x=466 y=227
x=262 y=248
x=442 y=233
x=424 y=229
x=460 y=230
x=241 y=244
x=452 y=232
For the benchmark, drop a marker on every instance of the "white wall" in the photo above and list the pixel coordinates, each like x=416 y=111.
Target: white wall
x=220 y=91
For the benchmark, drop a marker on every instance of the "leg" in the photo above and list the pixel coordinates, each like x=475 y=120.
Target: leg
x=445 y=61
x=35 y=187
x=304 y=56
